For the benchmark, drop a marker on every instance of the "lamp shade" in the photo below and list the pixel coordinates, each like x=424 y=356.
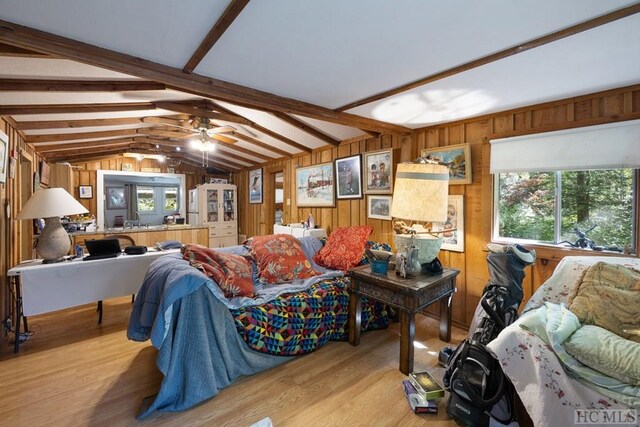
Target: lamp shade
x=51 y=202
x=421 y=192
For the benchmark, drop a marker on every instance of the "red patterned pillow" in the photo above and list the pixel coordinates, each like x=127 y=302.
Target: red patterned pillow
x=280 y=258
x=344 y=247
x=231 y=272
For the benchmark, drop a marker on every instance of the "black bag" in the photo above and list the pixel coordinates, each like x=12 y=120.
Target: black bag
x=478 y=387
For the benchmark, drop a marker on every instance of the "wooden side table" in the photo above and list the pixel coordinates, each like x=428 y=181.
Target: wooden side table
x=409 y=296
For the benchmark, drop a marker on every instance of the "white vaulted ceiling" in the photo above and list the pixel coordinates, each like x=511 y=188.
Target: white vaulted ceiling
x=322 y=58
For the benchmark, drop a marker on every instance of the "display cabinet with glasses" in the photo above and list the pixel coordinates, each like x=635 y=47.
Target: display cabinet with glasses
x=218 y=211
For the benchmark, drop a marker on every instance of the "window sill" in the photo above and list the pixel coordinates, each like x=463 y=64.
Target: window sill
x=556 y=253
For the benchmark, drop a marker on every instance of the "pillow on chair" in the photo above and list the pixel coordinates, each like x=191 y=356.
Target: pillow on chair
x=344 y=248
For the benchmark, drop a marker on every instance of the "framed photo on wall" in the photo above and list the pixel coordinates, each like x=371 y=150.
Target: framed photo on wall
x=379 y=172
x=314 y=186
x=348 y=178
x=4 y=154
x=379 y=207
x=255 y=186
x=116 y=198
x=453 y=227
x=456 y=157
x=45 y=172
x=86 y=192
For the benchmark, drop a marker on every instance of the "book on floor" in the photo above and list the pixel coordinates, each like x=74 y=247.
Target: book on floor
x=416 y=402
x=426 y=385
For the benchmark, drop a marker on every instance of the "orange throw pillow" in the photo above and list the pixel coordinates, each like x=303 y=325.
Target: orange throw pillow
x=280 y=258
x=231 y=272
x=344 y=248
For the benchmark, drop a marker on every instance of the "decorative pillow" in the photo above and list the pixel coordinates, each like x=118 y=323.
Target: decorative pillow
x=609 y=297
x=280 y=258
x=344 y=247
x=232 y=273
x=606 y=352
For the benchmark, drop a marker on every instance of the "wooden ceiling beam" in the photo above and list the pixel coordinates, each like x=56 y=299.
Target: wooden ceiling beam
x=226 y=19
x=306 y=128
x=9 y=50
x=177 y=120
x=82 y=145
x=74 y=108
x=201 y=112
x=41 y=85
x=73 y=124
x=261 y=144
x=69 y=154
x=174 y=78
x=56 y=137
x=510 y=51
x=265 y=130
x=198 y=158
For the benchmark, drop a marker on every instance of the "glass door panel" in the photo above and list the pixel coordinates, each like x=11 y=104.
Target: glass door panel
x=228 y=205
x=212 y=205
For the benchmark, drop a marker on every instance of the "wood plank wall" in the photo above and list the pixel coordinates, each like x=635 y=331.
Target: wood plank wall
x=15 y=236
x=605 y=107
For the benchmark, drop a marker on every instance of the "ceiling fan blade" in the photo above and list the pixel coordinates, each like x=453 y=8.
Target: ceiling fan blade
x=220 y=129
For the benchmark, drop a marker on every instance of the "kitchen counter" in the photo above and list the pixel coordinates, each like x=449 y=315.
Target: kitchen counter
x=143 y=236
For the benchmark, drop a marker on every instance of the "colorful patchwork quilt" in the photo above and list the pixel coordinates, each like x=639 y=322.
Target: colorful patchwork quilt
x=299 y=323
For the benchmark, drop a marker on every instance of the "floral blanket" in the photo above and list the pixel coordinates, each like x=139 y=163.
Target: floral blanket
x=550 y=396
x=299 y=323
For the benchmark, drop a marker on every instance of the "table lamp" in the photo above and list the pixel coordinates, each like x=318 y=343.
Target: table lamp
x=420 y=194
x=54 y=242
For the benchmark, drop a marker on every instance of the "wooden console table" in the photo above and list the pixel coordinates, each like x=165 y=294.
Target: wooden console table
x=409 y=296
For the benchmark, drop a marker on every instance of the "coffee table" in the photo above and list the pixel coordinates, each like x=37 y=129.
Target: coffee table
x=409 y=296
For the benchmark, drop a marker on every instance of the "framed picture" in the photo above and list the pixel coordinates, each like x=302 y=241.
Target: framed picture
x=314 y=186
x=255 y=186
x=456 y=157
x=379 y=172
x=45 y=172
x=454 y=238
x=348 y=178
x=86 y=192
x=4 y=154
x=116 y=198
x=379 y=207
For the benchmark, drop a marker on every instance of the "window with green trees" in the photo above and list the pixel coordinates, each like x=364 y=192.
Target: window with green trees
x=145 y=198
x=547 y=206
x=170 y=199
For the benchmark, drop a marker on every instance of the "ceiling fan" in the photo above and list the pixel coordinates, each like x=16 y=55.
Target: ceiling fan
x=202 y=130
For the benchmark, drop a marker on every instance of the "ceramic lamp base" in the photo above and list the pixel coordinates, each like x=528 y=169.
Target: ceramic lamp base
x=54 y=242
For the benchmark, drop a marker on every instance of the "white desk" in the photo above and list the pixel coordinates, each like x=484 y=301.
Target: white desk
x=42 y=288
x=299 y=231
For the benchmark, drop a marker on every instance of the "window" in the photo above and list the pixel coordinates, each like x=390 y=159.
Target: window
x=145 y=200
x=170 y=199
x=547 y=206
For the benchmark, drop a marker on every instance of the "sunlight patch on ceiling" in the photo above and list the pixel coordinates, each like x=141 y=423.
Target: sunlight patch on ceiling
x=433 y=106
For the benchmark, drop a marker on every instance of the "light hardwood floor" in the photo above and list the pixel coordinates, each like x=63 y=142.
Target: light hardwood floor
x=73 y=372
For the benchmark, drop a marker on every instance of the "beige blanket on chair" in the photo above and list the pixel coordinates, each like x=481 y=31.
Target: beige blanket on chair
x=609 y=297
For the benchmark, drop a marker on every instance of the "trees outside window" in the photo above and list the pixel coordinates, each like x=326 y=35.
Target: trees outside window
x=546 y=206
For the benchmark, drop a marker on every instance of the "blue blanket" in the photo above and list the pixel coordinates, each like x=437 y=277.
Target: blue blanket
x=199 y=349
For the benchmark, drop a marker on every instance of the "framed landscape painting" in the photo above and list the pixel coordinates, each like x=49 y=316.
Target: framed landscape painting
x=348 y=178
x=255 y=186
x=379 y=172
x=314 y=186
x=456 y=157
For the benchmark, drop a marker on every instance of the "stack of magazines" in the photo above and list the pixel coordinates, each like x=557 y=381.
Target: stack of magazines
x=422 y=392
